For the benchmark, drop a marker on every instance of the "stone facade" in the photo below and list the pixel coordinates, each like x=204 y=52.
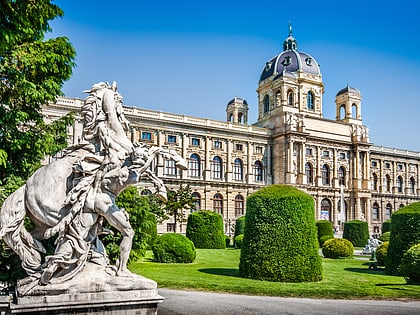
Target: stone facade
x=291 y=143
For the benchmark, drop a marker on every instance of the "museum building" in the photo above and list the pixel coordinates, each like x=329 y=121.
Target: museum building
x=291 y=143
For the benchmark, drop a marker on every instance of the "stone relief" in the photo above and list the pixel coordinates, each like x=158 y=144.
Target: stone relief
x=70 y=197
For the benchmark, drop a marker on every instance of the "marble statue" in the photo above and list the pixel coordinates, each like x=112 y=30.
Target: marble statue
x=70 y=197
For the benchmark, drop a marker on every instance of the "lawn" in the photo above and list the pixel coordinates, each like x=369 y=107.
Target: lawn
x=217 y=270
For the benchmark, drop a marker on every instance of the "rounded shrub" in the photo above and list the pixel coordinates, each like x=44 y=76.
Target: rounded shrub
x=337 y=248
x=280 y=237
x=239 y=227
x=385 y=236
x=173 y=248
x=357 y=232
x=386 y=226
x=410 y=265
x=405 y=232
x=324 y=228
x=324 y=239
x=238 y=241
x=205 y=229
x=381 y=252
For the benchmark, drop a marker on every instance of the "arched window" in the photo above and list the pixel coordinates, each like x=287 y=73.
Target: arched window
x=375 y=211
x=342 y=112
x=412 y=186
x=290 y=100
x=266 y=104
x=170 y=167
x=197 y=200
x=325 y=174
x=195 y=165
x=239 y=205
x=240 y=117
x=231 y=118
x=217 y=167
x=325 y=209
x=342 y=176
x=375 y=182
x=309 y=173
x=400 y=184
x=238 y=170
x=401 y=205
x=258 y=171
x=388 y=183
x=146 y=192
x=388 y=211
x=218 y=203
x=310 y=100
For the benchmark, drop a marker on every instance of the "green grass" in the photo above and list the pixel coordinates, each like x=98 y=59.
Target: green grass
x=217 y=270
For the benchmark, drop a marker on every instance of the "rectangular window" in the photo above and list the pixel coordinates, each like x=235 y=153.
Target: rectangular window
x=147 y=136
x=170 y=168
x=170 y=227
x=217 y=144
x=195 y=142
x=308 y=151
x=326 y=154
x=374 y=164
x=400 y=167
x=342 y=155
x=259 y=150
x=171 y=139
x=238 y=147
x=387 y=165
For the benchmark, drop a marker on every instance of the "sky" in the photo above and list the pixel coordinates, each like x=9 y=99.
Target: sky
x=193 y=57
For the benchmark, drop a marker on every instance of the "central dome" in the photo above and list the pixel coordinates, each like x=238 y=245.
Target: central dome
x=290 y=61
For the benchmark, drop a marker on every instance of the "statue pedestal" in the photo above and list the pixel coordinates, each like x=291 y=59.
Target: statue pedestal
x=92 y=291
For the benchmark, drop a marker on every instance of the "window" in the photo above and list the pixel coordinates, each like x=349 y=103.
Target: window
x=258 y=171
x=290 y=98
x=309 y=174
x=308 y=61
x=170 y=167
x=238 y=170
x=326 y=154
x=388 y=183
x=387 y=165
x=308 y=151
x=399 y=166
x=217 y=144
x=196 y=200
x=375 y=211
x=240 y=117
x=170 y=227
x=325 y=209
x=195 y=165
x=258 y=150
x=388 y=211
x=146 y=192
x=171 y=139
x=400 y=184
x=374 y=164
x=325 y=174
x=239 y=205
x=375 y=182
x=310 y=100
x=238 y=147
x=146 y=136
x=195 y=142
x=342 y=176
x=266 y=103
x=342 y=156
x=216 y=167
x=218 y=203
x=412 y=185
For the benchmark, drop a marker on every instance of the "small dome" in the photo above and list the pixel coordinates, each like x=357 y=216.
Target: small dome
x=348 y=89
x=236 y=100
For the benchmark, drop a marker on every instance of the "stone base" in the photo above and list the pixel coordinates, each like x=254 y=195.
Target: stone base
x=93 y=291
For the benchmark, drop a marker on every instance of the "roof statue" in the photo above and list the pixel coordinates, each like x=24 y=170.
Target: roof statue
x=70 y=197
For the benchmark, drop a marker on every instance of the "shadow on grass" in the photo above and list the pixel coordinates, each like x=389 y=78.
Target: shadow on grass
x=229 y=272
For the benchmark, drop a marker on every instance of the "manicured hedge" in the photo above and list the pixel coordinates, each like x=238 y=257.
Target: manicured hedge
x=337 y=248
x=205 y=229
x=324 y=228
x=405 y=232
x=410 y=265
x=239 y=226
x=385 y=236
x=386 y=226
x=381 y=253
x=280 y=237
x=357 y=232
x=173 y=248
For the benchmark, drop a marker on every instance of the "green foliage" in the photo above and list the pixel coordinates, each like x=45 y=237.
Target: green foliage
x=410 y=265
x=238 y=241
x=33 y=71
x=324 y=228
x=386 y=226
x=142 y=221
x=385 y=236
x=205 y=229
x=239 y=226
x=405 y=232
x=174 y=248
x=280 y=239
x=337 y=248
x=324 y=239
x=381 y=252
x=227 y=240
x=357 y=232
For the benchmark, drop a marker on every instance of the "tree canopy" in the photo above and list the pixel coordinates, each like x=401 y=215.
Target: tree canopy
x=32 y=72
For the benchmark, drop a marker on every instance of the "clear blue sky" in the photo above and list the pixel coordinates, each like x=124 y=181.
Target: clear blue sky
x=192 y=57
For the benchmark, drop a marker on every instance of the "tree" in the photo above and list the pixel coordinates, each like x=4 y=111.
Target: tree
x=178 y=200
x=32 y=72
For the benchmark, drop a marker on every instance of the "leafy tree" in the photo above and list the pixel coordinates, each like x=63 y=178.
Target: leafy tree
x=178 y=200
x=32 y=72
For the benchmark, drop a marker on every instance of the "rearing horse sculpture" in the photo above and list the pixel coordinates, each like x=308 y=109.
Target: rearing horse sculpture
x=70 y=197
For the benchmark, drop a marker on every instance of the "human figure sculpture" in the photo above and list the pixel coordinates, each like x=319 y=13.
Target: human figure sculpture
x=71 y=196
